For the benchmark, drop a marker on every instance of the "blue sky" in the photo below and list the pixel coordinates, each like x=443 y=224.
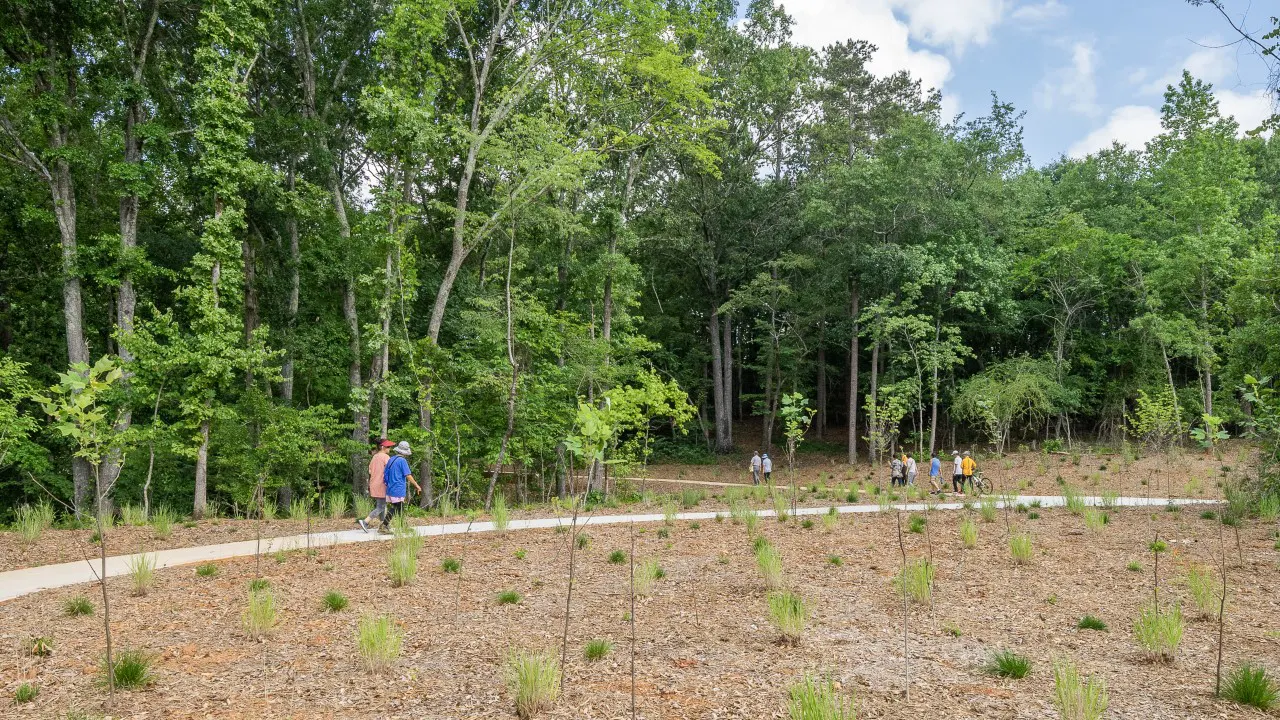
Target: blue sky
x=1085 y=71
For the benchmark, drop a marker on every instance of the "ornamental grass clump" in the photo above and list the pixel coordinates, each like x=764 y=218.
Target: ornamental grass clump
x=831 y=519
x=142 y=573
x=1090 y=622
x=1072 y=500
x=969 y=533
x=597 y=649
x=335 y=504
x=334 y=601
x=1020 y=548
x=402 y=562
x=814 y=699
x=378 y=640
x=162 y=522
x=534 y=679
x=1205 y=591
x=363 y=505
x=788 y=613
x=915 y=580
x=769 y=560
x=77 y=606
x=261 y=616
x=501 y=518
x=617 y=557
x=987 y=509
x=1159 y=632
x=1094 y=519
x=298 y=509
x=1075 y=697
x=647 y=574
x=1252 y=685
x=132 y=515
x=1008 y=664
x=131 y=669
x=781 y=506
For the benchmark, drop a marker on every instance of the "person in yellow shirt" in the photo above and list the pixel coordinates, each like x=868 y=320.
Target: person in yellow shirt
x=968 y=467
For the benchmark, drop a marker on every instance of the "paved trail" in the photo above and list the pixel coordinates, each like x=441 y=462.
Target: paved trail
x=16 y=583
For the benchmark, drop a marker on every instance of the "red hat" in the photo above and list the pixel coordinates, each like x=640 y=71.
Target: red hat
x=385 y=443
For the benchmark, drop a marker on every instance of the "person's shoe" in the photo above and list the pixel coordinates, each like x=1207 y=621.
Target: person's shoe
x=363 y=525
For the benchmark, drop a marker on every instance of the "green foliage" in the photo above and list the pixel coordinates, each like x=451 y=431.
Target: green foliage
x=500 y=516
x=1159 y=632
x=597 y=649
x=1072 y=500
x=402 y=562
x=648 y=573
x=132 y=515
x=378 y=641
x=617 y=557
x=916 y=524
x=987 y=509
x=968 y=533
x=25 y=693
x=769 y=561
x=1094 y=519
x=258 y=584
x=362 y=504
x=162 y=520
x=915 y=580
x=131 y=669
x=261 y=616
x=788 y=613
x=77 y=606
x=334 y=601
x=207 y=570
x=533 y=677
x=1076 y=697
x=835 y=560
x=335 y=504
x=1205 y=590
x=1019 y=392
x=1008 y=664
x=815 y=699
x=1020 y=548
x=299 y=508
x=142 y=573
x=1089 y=622
x=1154 y=421
x=1252 y=685
x=509 y=597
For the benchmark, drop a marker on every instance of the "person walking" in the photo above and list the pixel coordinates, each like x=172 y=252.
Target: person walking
x=397 y=477
x=911 y=469
x=895 y=472
x=968 y=466
x=756 y=463
x=377 y=485
x=957 y=472
x=767 y=464
x=935 y=473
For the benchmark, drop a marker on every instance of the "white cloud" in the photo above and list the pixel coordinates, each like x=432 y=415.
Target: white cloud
x=1249 y=108
x=1040 y=13
x=1072 y=87
x=892 y=25
x=951 y=106
x=1131 y=125
x=1211 y=64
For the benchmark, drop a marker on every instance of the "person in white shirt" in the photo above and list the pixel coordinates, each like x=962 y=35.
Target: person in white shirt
x=957 y=474
x=911 y=469
x=768 y=468
x=755 y=468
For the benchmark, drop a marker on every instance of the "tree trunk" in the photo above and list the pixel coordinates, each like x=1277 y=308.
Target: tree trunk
x=291 y=309
x=727 y=359
x=933 y=412
x=874 y=429
x=515 y=376
x=201 y=499
x=853 y=377
x=1173 y=389
x=821 y=381
x=721 y=403
x=249 y=257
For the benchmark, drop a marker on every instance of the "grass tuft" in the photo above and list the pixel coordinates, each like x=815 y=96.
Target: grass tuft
x=25 y=693
x=597 y=649
x=363 y=505
x=769 y=560
x=501 y=518
x=378 y=641
x=131 y=669
x=335 y=504
x=334 y=601
x=257 y=584
x=1008 y=664
x=534 y=680
x=509 y=597
x=1090 y=622
x=207 y=570
x=1252 y=685
x=162 y=522
x=132 y=515
x=298 y=509
x=648 y=573
x=77 y=606
x=968 y=533
x=916 y=524
x=1205 y=590
x=788 y=613
x=451 y=565
x=1072 y=500
x=1159 y=633
x=1075 y=697
x=814 y=699
x=261 y=615
x=1094 y=519
x=916 y=581
x=142 y=573
x=834 y=560
x=1020 y=548
x=987 y=509
x=617 y=557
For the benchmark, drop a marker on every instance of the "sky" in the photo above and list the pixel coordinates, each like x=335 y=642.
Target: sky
x=1086 y=72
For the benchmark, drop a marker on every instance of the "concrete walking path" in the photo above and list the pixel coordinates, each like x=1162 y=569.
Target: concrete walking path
x=17 y=583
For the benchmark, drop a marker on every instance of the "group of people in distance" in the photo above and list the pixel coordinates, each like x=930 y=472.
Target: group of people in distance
x=389 y=481
x=761 y=466
x=902 y=470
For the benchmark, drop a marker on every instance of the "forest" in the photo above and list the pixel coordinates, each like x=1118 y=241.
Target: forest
x=241 y=240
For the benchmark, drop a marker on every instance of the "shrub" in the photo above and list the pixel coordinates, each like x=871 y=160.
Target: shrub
x=987 y=509
x=162 y=522
x=916 y=524
x=501 y=518
x=260 y=617
x=451 y=565
x=335 y=601
x=1008 y=664
x=378 y=641
x=968 y=533
x=597 y=649
x=534 y=680
x=813 y=699
x=769 y=560
x=402 y=562
x=648 y=573
x=617 y=557
x=788 y=613
x=207 y=570
x=509 y=597
x=1204 y=589
x=1159 y=633
x=1252 y=685
x=915 y=580
x=77 y=606
x=132 y=515
x=1078 y=698
x=1020 y=548
x=298 y=509
x=335 y=504
x=26 y=693
x=131 y=669
x=1089 y=622
x=142 y=573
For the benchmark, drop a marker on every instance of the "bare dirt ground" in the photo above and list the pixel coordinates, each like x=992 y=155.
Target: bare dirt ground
x=704 y=646
x=1190 y=473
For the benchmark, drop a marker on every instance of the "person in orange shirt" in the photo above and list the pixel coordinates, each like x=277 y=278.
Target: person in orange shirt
x=377 y=486
x=968 y=466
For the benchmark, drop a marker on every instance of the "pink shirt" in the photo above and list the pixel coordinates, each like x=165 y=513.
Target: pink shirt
x=378 y=486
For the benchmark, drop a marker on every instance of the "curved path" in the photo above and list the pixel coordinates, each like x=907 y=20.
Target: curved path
x=16 y=583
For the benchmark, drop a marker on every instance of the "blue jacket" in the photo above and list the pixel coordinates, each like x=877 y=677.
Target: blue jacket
x=395 y=474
